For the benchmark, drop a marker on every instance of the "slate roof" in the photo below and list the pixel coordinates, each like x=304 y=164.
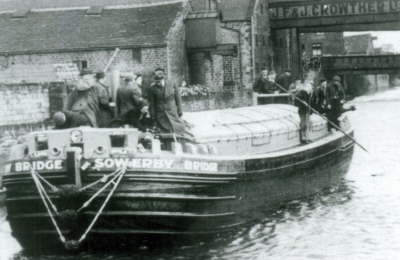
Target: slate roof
x=236 y=10
x=40 y=4
x=71 y=30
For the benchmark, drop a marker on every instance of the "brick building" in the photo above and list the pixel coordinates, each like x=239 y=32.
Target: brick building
x=39 y=33
x=228 y=42
x=359 y=44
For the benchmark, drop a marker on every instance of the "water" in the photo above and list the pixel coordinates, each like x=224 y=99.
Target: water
x=357 y=220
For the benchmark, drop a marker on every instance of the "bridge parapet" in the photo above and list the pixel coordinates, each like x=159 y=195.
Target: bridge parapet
x=361 y=63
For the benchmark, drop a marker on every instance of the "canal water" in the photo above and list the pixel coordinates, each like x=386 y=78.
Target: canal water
x=360 y=219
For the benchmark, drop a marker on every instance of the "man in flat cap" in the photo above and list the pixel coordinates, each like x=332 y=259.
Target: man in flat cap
x=85 y=100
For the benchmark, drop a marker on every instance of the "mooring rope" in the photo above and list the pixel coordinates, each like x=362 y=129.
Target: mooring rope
x=102 y=179
x=89 y=228
x=52 y=209
x=43 y=195
x=87 y=203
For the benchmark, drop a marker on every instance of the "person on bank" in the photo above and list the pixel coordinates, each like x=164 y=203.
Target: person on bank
x=285 y=79
x=130 y=103
x=335 y=98
x=265 y=84
x=83 y=103
x=303 y=94
x=166 y=106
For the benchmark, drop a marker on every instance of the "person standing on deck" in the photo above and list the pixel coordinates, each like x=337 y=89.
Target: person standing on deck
x=105 y=115
x=130 y=103
x=335 y=98
x=84 y=102
x=166 y=106
x=318 y=99
x=303 y=93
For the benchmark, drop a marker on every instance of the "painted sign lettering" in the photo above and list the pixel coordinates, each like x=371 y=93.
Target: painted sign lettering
x=38 y=165
x=159 y=164
x=334 y=8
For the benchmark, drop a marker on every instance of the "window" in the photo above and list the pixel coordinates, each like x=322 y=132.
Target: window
x=316 y=49
x=82 y=64
x=137 y=55
x=228 y=71
x=94 y=11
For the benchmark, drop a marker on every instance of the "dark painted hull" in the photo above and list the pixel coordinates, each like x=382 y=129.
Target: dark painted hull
x=180 y=203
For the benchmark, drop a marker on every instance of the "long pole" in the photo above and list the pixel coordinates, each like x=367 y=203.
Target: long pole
x=316 y=112
x=110 y=61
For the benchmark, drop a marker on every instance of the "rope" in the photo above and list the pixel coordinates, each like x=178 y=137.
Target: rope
x=52 y=187
x=87 y=203
x=102 y=179
x=120 y=176
x=43 y=197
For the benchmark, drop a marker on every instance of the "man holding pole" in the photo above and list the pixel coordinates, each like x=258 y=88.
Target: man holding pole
x=335 y=98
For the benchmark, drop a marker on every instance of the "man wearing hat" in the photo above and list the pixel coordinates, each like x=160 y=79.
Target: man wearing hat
x=165 y=105
x=105 y=115
x=335 y=98
x=130 y=103
x=86 y=99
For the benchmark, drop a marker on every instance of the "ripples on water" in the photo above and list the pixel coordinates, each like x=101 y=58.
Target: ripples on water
x=357 y=220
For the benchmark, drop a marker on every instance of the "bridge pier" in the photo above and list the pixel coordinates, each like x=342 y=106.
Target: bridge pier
x=287 y=50
x=394 y=80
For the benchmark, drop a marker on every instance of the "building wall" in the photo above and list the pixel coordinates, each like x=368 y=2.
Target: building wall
x=176 y=48
x=332 y=43
x=35 y=100
x=126 y=60
x=243 y=62
x=261 y=32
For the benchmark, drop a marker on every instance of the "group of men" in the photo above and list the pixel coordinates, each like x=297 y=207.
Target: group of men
x=323 y=97
x=89 y=104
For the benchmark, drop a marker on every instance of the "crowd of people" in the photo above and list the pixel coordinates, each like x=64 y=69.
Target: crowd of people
x=158 y=105
x=312 y=94
x=90 y=104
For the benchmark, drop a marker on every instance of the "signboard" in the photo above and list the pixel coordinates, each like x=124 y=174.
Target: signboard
x=150 y=163
x=66 y=71
x=313 y=9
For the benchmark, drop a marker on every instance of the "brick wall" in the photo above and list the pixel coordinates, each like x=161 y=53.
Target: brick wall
x=176 y=47
x=245 y=51
x=126 y=60
x=23 y=103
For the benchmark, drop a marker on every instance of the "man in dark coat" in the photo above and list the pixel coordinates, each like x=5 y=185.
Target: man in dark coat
x=303 y=93
x=130 y=103
x=86 y=99
x=165 y=106
x=284 y=79
x=264 y=84
x=335 y=98
x=105 y=115
x=318 y=96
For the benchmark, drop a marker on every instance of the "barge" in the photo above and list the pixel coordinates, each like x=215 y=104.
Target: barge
x=75 y=187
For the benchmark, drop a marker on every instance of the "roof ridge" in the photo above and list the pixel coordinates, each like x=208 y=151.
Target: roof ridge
x=109 y=7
